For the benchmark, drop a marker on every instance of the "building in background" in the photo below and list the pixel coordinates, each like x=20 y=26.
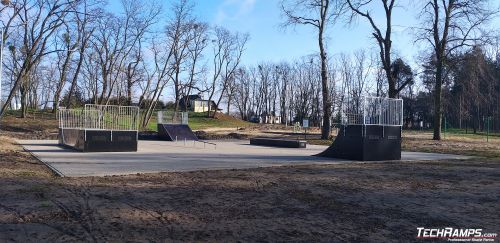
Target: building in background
x=196 y=103
x=266 y=119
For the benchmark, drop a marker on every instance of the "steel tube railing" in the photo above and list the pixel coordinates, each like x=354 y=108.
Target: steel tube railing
x=366 y=110
x=171 y=117
x=100 y=117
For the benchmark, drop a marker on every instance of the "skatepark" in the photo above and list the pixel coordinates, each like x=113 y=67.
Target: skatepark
x=163 y=156
x=249 y=121
x=104 y=141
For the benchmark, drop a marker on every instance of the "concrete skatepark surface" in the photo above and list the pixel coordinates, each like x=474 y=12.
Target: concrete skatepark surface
x=163 y=156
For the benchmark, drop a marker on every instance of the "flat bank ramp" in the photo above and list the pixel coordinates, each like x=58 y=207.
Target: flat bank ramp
x=174 y=132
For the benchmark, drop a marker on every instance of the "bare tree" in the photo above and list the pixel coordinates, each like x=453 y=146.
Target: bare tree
x=180 y=29
x=195 y=67
x=133 y=71
x=318 y=14
x=116 y=37
x=39 y=21
x=243 y=95
x=284 y=73
x=362 y=70
x=448 y=26
x=231 y=91
x=64 y=62
x=228 y=49
x=169 y=54
x=384 y=39
x=83 y=18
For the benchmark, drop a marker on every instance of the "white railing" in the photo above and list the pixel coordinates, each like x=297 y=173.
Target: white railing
x=366 y=110
x=171 y=117
x=100 y=117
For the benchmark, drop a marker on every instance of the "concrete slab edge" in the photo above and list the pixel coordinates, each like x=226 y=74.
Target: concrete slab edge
x=57 y=172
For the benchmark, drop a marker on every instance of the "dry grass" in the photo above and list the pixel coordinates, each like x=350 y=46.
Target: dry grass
x=452 y=144
x=15 y=162
x=35 y=126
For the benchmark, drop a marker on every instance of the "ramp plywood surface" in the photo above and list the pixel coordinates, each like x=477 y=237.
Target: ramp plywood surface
x=176 y=132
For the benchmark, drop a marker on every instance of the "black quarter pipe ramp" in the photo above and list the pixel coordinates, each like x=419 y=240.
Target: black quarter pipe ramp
x=366 y=143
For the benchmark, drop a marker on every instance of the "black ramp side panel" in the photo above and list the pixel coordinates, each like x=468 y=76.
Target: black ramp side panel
x=99 y=140
x=126 y=141
x=366 y=143
x=172 y=132
x=382 y=143
x=111 y=141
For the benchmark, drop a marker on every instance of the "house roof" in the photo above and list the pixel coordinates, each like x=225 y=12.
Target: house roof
x=193 y=97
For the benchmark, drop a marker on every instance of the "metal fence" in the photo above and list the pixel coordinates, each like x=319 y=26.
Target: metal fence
x=172 y=117
x=100 y=117
x=366 y=110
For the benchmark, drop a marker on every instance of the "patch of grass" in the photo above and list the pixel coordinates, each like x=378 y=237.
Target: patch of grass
x=199 y=121
x=464 y=144
x=35 y=121
x=326 y=142
x=455 y=132
x=26 y=174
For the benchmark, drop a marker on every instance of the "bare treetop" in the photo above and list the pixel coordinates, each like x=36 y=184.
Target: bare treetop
x=311 y=12
x=455 y=23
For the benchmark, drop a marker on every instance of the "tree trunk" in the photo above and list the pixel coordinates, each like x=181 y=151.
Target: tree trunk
x=228 y=104
x=23 y=101
x=210 y=102
x=62 y=82
x=438 y=115
x=75 y=79
x=392 y=85
x=129 y=91
x=327 y=107
x=177 y=89
x=13 y=92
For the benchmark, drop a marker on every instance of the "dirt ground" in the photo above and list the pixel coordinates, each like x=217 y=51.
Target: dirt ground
x=36 y=126
x=372 y=202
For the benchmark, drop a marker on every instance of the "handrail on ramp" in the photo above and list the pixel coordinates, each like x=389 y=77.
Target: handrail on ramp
x=197 y=141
